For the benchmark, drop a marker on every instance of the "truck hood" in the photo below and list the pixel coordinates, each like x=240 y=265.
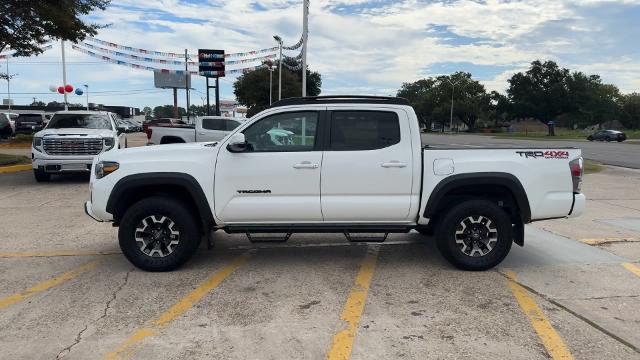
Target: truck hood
x=75 y=133
x=157 y=152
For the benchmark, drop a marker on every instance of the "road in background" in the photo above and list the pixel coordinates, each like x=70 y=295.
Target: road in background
x=618 y=154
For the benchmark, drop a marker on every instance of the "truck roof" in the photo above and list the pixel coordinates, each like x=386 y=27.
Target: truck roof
x=342 y=99
x=82 y=112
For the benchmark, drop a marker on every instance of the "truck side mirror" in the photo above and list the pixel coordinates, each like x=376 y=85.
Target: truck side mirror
x=238 y=143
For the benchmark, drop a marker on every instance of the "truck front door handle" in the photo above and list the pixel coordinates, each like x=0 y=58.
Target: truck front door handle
x=306 y=165
x=394 y=164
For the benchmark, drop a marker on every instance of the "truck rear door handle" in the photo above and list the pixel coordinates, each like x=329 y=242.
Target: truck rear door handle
x=200 y=133
x=306 y=165
x=394 y=164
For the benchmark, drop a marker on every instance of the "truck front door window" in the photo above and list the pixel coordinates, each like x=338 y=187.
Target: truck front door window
x=288 y=132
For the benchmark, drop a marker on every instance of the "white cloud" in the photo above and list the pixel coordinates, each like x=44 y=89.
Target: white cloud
x=364 y=46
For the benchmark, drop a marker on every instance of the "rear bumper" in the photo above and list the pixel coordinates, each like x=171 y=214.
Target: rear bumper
x=579 y=204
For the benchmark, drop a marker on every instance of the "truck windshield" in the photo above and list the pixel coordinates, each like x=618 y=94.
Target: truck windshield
x=79 y=121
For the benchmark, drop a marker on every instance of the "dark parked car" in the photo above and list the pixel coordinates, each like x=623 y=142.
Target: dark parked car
x=607 y=135
x=29 y=123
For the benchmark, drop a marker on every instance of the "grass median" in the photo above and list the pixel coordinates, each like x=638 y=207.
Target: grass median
x=561 y=134
x=8 y=160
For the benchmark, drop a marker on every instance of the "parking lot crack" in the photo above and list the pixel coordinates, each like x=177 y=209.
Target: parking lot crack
x=104 y=314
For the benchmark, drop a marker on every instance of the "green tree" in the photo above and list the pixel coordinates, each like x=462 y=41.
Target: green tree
x=630 y=111
x=27 y=25
x=148 y=113
x=590 y=101
x=431 y=98
x=252 y=89
x=38 y=103
x=166 y=111
x=540 y=92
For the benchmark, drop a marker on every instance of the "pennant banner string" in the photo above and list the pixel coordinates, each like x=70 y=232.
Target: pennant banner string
x=175 y=55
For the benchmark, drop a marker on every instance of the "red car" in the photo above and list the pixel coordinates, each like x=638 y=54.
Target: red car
x=162 y=122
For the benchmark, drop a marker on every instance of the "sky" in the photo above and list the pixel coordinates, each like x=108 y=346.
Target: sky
x=359 y=46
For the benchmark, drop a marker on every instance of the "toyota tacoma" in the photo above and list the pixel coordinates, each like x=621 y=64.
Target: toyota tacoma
x=344 y=164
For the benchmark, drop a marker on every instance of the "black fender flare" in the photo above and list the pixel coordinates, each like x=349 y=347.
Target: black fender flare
x=481 y=178
x=123 y=187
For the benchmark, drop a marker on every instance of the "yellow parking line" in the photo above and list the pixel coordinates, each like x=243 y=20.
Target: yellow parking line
x=342 y=343
x=14 y=168
x=128 y=347
x=551 y=340
x=633 y=268
x=12 y=299
x=57 y=253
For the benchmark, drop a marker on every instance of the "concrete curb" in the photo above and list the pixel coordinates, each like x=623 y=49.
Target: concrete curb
x=14 y=168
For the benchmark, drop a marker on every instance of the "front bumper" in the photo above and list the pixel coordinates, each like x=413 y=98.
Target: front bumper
x=579 y=204
x=59 y=164
x=89 y=211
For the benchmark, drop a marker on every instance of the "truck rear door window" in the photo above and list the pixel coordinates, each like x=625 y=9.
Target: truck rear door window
x=363 y=130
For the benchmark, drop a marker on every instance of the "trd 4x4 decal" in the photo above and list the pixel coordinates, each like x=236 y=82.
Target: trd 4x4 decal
x=549 y=154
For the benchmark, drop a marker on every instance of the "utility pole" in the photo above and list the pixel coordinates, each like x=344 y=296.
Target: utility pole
x=186 y=79
x=279 y=40
x=64 y=76
x=8 y=83
x=305 y=36
x=87 y=90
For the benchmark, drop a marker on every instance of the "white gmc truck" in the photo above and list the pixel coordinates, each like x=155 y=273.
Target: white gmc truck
x=351 y=165
x=71 y=140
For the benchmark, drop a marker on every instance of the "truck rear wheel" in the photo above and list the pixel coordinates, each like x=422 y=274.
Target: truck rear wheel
x=158 y=234
x=475 y=235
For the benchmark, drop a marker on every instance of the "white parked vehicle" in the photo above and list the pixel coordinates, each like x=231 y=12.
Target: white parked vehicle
x=349 y=165
x=71 y=140
x=207 y=128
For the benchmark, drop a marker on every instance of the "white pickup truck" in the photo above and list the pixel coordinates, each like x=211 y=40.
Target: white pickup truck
x=207 y=128
x=71 y=140
x=352 y=165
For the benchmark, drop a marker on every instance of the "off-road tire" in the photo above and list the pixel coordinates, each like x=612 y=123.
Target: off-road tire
x=41 y=175
x=451 y=222
x=185 y=222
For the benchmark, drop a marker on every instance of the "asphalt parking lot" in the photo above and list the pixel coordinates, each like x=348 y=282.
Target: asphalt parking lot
x=573 y=291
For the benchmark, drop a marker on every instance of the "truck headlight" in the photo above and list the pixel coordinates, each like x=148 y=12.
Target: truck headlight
x=37 y=142
x=104 y=168
x=108 y=143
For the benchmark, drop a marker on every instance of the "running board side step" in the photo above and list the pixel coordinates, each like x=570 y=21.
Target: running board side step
x=365 y=237
x=267 y=238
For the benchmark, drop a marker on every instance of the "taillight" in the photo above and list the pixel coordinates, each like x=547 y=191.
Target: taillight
x=576 y=174
x=149 y=131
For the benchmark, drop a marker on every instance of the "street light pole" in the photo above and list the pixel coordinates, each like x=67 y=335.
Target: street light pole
x=305 y=37
x=279 y=40
x=270 y=84
x=453 y=87
x=87 y=90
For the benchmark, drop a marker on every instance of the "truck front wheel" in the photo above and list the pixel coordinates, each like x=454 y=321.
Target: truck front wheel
x=158 y=234
x=475 y=235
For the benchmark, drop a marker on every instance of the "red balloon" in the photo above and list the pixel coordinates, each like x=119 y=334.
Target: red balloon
x=61 y=89
x=68 y=88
